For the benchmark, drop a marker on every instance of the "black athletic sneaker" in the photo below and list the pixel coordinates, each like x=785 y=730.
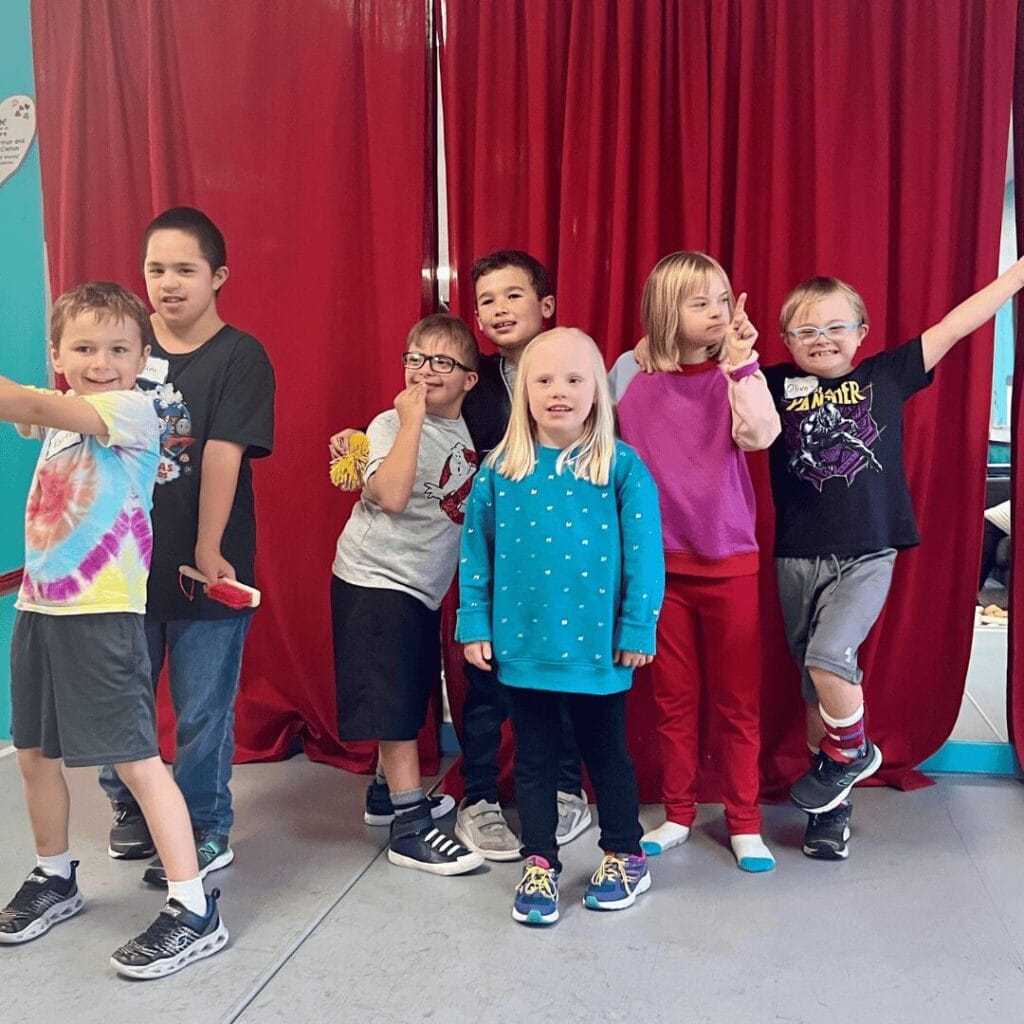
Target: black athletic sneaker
x=419 y=844
x=174 y=940
x=129 y=835
x=827 y=834
x=42 y=901
x=212 y=852
x=829 y=782
x=380 y=811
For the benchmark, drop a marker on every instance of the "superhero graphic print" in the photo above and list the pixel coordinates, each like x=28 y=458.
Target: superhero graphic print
x=453 y=485
x=175 y=433
x=829 y=431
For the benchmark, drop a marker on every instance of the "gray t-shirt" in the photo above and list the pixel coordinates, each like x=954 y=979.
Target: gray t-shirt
x=416 y=550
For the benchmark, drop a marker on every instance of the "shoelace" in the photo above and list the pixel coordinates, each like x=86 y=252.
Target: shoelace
x=610 y=869
x=538 y=880
x=124 y=813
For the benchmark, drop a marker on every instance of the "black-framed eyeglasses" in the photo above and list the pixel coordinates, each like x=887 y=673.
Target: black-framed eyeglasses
x=834 y=332
x=439 y=364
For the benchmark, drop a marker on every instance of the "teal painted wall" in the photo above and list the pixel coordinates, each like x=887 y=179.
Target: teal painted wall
x=22 y=315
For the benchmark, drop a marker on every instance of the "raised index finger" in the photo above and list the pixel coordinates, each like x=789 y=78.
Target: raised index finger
x=737 y=313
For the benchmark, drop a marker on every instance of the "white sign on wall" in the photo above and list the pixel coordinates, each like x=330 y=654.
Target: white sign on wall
x=17 y=130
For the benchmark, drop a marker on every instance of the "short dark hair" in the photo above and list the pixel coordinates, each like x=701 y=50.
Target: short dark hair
x=450 y=328
x=195 y=223
x=109 y=301
x=501 y=258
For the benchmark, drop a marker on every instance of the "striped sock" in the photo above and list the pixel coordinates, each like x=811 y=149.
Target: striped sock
x=845 y=738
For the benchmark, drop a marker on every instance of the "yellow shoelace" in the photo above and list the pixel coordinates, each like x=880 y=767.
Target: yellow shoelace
x=537 y=880
x=611 y=868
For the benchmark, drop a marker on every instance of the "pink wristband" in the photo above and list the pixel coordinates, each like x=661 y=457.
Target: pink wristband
x=744 y=371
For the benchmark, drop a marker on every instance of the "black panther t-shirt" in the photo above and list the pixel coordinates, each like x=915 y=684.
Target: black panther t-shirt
x=223 y=390
x=837 y=467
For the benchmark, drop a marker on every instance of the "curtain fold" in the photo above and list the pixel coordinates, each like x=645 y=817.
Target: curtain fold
x=864 y=141
x=300 y=131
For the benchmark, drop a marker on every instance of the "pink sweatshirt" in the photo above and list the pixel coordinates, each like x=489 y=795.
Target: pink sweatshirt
x=691 y=427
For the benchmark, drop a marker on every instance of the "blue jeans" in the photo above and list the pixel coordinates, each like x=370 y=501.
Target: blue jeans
x=205 y=658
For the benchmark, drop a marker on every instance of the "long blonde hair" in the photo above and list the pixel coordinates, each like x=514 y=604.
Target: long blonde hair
x=590 y=457
x=672 y=281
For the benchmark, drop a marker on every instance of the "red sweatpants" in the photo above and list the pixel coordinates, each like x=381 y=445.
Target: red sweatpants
x=709 y=648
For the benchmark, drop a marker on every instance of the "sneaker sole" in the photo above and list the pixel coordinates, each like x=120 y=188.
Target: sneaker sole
x=131 y=853
x=534 y=917
x=577 y=830
x=171 y=965
x=835 y=801
x=445 y=806
x=496 y=855
x=160 y=881
x=459 y=866
x=40 y=926
x=593 y=903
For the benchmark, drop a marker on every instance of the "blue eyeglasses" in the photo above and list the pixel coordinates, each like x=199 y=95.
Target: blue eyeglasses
x=834 y=332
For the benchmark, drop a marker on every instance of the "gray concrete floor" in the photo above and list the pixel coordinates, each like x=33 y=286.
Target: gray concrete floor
x=924 y=923
x=982 y=715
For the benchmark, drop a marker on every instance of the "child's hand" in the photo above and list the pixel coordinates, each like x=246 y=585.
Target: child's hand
x=740 y=335
x=642 y=355
x=213 y=565
x=411 y=404
x=338 y=443
x=478 y=653
x=632 y=659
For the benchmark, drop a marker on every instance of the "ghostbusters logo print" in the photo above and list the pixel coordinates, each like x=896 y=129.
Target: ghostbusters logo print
x=453 y=486
x=175 y=434
x=829 y=432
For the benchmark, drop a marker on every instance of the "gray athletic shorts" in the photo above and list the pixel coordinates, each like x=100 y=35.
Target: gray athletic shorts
x=829 y=606
x=80 y=688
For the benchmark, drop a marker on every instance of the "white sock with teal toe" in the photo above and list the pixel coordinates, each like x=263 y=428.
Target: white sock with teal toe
x=664 y=837
x=751 y=853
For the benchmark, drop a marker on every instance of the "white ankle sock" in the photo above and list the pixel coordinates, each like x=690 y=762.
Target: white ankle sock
x=189 y=894
x=751 y=852
x=58 y=866
x=664 y=837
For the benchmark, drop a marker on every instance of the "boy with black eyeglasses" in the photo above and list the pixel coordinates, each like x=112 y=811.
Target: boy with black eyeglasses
x=395 y=561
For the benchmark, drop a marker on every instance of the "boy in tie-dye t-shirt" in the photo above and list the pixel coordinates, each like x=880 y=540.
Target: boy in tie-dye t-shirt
x=80 y=681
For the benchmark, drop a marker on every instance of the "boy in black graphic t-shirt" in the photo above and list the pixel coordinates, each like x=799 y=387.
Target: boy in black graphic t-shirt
x=843 y=510
x=213 y=388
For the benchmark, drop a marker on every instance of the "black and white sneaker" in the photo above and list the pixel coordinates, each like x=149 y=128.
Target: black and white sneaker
x=42 y=901
x=174 y=940
x=422 y=845
x=380 y=810
x=828 y=833
x=829 y=782
x=129 y=835
x=212 y=853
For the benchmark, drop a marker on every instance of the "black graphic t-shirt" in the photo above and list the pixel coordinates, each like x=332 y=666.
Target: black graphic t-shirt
x=487 y=407
x=224 y=391
x=837 y=467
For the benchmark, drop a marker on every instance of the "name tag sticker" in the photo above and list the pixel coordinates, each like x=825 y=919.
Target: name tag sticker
x=800 y=387
x=155 y=370
x=61 y=442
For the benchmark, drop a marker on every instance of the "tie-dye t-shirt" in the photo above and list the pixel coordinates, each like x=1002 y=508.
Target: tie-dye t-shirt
x=88 y=537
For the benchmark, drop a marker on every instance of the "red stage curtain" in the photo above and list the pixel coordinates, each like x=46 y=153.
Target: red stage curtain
x=1015 y=644
x=861 y=140
x=300 y=130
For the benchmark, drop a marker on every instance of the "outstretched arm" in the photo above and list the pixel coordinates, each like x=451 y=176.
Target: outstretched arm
x=970 y=314
x=37 y=408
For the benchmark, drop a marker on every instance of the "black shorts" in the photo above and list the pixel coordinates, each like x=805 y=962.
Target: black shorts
x=387 y=661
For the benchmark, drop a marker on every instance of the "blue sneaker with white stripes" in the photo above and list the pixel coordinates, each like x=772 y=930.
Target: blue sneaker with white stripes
x=416 y=842
x=43 y=901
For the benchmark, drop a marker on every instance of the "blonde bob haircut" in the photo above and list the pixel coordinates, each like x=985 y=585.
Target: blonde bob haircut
x=672 y=281
x=813 y=290
x=590 y=458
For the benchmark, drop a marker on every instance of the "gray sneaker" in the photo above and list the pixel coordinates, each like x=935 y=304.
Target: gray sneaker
x=573 y=817
x=482 y=827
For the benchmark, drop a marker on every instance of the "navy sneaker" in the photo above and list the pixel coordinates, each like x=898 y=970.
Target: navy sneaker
x=416 y=842
x=42 y=901
x=212 y=852
x=617 y=882
x=829 y=782
x=174 y=940
x=379 y=809
x=536 y=899
x=828 y=833
x=129 y=835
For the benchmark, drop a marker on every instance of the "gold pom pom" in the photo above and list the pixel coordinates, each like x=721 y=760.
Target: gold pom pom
x=347 y=472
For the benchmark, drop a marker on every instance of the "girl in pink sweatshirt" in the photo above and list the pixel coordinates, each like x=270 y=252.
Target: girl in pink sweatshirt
x=691 y=422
